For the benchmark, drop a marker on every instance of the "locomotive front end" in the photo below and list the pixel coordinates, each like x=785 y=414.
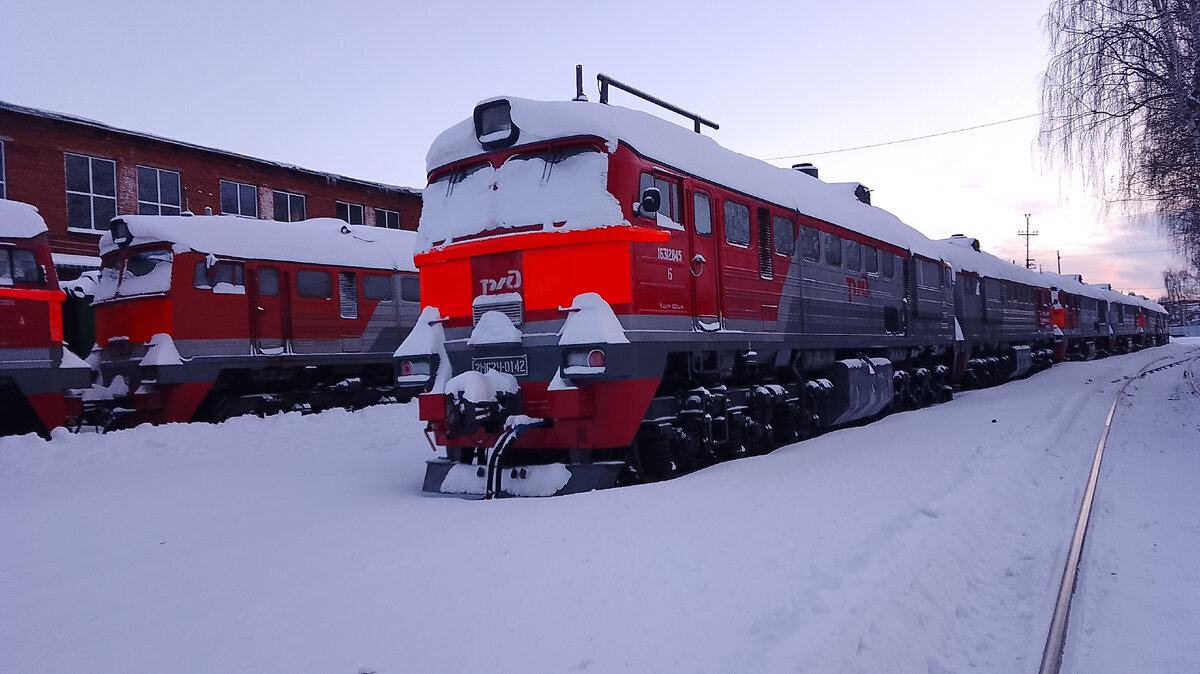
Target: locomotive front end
x=525 y=279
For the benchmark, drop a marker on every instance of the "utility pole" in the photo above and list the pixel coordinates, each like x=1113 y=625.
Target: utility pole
x=1059 y=254
x=1027 y=234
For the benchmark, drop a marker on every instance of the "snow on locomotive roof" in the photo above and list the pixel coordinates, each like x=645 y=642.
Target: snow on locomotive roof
x=1074 y=285
x=962 y=255
x=19 y=220
x=687 y=151
x=317 y=241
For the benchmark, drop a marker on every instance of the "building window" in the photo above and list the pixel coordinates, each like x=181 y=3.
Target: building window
x=3 y=182
x=289 y=207
x=158 y=191
x=239 y=199
x=351 y=213
x=91 y=191
x=387 y=219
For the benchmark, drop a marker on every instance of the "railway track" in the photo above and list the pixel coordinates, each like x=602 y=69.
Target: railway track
x=1056 y=638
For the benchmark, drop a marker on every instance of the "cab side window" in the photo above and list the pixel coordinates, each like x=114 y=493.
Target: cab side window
x=669 y=193
x=703 y=213
x=737 y=223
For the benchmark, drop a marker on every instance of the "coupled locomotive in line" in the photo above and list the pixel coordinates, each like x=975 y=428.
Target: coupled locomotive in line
x=208 y=317
x=1097 y=321
x=609 y=298
x=36 y=371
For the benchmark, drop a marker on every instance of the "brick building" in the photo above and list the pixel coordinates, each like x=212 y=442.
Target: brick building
x=81 y=173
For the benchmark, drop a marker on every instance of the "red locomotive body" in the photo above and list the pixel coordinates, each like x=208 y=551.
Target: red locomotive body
x=206 y=317
x=608 y=297
x=35 y=370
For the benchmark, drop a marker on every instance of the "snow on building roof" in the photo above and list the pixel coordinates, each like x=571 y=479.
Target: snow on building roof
x=316 y=241
x=684 y=150
x=19 y=220
x=962 y=255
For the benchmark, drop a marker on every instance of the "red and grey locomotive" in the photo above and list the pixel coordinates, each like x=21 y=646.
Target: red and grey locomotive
x=207 y=317
x=36 y=372
x=608 y=297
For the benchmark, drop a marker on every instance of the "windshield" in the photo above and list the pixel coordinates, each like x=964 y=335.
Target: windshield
x=144 y=272
x=18 y=265
x=556 y=190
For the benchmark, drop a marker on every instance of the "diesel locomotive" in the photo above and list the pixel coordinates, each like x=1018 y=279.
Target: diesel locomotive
x=610 y=298
x=208 y=317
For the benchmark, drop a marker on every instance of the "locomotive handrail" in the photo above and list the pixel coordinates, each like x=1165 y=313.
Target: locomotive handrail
x=493 y=482
x=605 y=80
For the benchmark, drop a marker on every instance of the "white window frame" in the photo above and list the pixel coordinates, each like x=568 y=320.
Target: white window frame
x=3 y=175
x=350 y=211
x=92 y=195
x=238 y=186
x=386 y=213
x=159 y=205
x=288 y=214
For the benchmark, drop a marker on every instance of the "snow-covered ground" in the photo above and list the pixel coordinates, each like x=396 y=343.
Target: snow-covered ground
x=931 y=541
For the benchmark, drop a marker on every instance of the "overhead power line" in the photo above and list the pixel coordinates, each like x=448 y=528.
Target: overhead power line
x=903 y=140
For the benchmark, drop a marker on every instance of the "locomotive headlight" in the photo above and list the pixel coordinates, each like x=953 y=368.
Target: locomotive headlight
x=414 y=369
x=119 y=230
x=584 y=361
x=408 y=368
x=494 y=126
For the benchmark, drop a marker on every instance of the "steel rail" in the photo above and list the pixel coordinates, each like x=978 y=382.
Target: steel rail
x=1056 y=639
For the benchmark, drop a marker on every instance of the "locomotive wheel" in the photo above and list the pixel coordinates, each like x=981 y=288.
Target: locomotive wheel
x=650 y=458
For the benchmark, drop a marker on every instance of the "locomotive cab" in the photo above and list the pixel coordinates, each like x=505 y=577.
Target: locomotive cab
x=37 y=374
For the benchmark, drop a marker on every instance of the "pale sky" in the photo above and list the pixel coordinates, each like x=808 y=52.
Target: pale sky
x=362 y=87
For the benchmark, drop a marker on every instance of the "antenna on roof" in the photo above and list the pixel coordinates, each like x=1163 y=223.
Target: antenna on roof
x=605 y=80
x=579 y=95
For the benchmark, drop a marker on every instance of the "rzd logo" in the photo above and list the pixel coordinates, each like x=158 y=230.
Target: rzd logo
x=509 y=282
x=858 y=287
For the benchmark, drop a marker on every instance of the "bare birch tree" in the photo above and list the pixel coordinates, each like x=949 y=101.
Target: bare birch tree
x=1121 y=99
